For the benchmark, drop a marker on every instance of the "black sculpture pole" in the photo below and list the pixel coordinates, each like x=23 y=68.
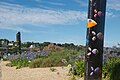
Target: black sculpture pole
x=95 y=40
x=18 y=39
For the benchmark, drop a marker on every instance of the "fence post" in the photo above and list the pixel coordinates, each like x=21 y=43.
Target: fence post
x=95 y=39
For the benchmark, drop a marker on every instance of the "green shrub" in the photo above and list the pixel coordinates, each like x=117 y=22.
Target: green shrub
x=20 y=62
x=48 y=62
x=104 y=70
x=80 y=68
x=52 y=62
x=111 y=69
x=72 y=77
x=39 y=56
x=115 y=72
x=36 y=63
x=77 y=69
x=56 y=58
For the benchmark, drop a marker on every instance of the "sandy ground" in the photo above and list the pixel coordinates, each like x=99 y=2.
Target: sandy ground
x=0 y=72
x=11 y=73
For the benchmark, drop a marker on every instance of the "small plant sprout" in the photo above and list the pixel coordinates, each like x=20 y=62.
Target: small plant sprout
x=52 y=69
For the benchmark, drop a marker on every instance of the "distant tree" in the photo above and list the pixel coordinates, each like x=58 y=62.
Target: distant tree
x=46 y=44
x=59 y=45
x=119 y=44
x=27 y=44
x=14 y=49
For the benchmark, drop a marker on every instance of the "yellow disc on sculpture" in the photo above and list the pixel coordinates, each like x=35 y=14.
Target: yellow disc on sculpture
x=91 y=23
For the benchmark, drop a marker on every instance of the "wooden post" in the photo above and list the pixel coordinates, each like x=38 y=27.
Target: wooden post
x=95 y=39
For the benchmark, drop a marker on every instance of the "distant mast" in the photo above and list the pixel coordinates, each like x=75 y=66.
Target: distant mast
x=18 y=40
x=95 y=39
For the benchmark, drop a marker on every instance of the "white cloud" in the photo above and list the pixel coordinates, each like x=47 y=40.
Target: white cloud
x=81 y=2
x=110 y=14
x=56 y=3
x=113 y=4
x=45 y=7
x=16 y=29
x=12 y=15
x=50 y=2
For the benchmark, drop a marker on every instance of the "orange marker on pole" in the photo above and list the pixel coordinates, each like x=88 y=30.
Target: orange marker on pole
x=91 y=23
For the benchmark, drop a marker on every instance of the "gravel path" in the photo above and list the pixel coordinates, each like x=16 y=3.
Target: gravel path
x=11 y=73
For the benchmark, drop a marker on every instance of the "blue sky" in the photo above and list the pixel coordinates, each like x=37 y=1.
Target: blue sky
x=61 y=21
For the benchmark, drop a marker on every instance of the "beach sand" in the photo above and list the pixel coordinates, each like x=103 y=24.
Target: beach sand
x=11 y=73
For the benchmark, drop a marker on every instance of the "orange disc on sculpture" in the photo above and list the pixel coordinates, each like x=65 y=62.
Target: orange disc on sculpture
x=91 y=23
